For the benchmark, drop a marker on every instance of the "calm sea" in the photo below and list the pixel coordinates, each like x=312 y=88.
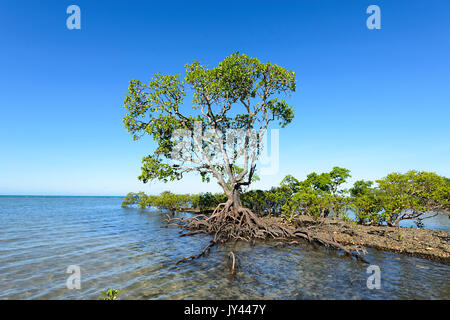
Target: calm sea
x=131 y=250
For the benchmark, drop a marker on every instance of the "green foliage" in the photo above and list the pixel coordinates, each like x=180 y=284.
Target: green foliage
x=328 y=182
x=165 y=201
x=410 y=195
x=395 y=198
x=110 y=294
x=269 y=202
x=317 y=196
x=255 y=200
x=208 y=201
x=276 y=198
x=367 y=202
x=315 y=203
x=399 y=197
x=133 y=198
x=170 y=201
x=306 y=201
x=291 y=183
x=240 y=93
x=338 y=176
x=361 y=187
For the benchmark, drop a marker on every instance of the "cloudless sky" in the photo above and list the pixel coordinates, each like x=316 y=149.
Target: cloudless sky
x=372 y=101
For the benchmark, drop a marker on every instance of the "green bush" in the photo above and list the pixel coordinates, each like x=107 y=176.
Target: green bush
x=367 y=202
x=165 y=201
x=411 y=195
x=132 y=199
x=318 y=196
x=255 y=200
x=208 y=201
x=110 y=294
x=400 y=197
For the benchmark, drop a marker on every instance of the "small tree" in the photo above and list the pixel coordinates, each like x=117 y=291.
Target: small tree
x=292 y=184
x=276 y=198
x=410 y=195
x=208 y=201
x=232 y=107
x=338 y=176
x=328 y=182
x=318 y=195
x=360 y=188
x=170 y=201
x=166 y=200
x=132 y=198
x=367 y=202
x=255 y=200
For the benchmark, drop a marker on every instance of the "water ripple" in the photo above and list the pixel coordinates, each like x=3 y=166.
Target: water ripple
x=127 y=249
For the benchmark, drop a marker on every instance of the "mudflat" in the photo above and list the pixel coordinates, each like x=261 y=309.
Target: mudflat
x=425 y=243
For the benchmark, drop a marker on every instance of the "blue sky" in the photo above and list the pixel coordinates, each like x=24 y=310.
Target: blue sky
x=373 y=101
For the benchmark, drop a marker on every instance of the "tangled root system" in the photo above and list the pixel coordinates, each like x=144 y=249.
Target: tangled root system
x=228 y=223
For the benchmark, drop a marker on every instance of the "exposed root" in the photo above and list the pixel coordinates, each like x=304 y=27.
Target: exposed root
x=231 y=255
x=227 y=223
x=349 y=250
x=204 y=252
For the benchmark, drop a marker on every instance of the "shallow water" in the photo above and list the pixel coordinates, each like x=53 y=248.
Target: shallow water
x=129 y=249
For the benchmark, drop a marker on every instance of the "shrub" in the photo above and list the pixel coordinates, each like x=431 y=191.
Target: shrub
x=132 y=199
x=410 y=195
x=110 y=294
x=208 y=201
x=255 y=200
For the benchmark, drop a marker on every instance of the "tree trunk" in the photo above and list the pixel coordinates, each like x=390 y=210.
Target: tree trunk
x=235 y=198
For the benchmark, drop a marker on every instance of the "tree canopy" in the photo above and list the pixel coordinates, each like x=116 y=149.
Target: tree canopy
x=231 y=108
x=410 y=195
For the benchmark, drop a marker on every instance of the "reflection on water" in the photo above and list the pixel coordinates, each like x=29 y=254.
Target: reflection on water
x=131 y=250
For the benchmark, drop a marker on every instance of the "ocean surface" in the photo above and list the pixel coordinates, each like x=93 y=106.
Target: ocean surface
x=133 y=250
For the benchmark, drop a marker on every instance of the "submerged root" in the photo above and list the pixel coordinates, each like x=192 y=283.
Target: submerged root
x=227 y=223
x=204 y=252
x=233 y=262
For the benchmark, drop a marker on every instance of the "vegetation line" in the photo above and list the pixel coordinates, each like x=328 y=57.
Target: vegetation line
x=410 y=196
